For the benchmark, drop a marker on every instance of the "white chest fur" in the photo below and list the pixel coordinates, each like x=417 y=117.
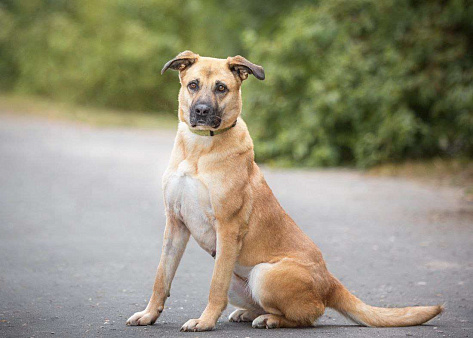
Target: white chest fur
x=188 y=199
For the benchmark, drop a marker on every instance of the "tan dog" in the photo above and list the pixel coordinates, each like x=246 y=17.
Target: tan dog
x=264 y=264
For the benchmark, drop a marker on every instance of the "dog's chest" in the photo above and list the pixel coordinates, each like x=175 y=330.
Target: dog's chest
x=189 y=200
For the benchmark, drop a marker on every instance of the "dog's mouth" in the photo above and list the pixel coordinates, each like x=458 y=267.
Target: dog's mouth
x=212 y=121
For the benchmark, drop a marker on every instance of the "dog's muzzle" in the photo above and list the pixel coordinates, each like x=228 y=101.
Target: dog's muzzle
x=203 y=114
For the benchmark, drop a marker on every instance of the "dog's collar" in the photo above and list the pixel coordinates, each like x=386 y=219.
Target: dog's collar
x=212 y=132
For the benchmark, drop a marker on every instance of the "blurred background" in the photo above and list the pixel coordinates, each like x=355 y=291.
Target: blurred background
x=370 y=89
x=349 y=82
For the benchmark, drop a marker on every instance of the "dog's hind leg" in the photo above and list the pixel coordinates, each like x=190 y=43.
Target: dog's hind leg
x=288 y=293
x=239 y=296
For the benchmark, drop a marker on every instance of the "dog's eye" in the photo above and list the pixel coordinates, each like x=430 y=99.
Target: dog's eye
x=192 y=85
x=221 y=88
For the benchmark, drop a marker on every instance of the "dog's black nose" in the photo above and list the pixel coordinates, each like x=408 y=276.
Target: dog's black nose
x=202 y=109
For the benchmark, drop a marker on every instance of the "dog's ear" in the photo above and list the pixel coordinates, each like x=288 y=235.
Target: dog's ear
x=243 y=67
x=181 y=61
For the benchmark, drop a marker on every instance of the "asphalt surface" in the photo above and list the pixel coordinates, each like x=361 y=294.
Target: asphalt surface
x=81 y=222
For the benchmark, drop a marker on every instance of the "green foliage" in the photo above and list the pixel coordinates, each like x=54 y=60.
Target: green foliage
x=364 y=82
x=110 y=52
x=348 y=81
x=100 y=52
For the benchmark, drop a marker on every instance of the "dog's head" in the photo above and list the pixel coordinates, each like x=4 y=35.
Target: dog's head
x=210 y=97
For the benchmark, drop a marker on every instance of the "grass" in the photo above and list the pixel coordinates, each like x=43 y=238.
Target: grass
x=452 y=172
x=100 y=117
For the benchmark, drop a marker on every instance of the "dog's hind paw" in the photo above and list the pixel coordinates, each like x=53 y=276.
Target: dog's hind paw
x=242 y=316
x=265 y=322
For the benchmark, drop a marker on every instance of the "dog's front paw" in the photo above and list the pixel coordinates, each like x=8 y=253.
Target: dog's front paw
x=194 y=325
x=143 y=318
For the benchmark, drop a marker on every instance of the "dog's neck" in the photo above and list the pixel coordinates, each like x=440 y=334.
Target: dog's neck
x=234 y=140
x=212 y=133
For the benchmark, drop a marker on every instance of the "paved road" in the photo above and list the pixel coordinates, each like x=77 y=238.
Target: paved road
x=81 y=221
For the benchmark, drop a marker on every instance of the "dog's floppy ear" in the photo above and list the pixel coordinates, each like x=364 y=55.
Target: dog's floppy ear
x=181 y=61
x=243 y=67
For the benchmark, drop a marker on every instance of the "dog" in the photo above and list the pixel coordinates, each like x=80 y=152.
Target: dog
x=213 y=190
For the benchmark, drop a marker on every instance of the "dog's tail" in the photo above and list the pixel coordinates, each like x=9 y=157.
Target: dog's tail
x=353 y=308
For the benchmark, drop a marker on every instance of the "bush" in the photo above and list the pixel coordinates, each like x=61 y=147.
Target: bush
x=110 y=52
x=363 y=82
x=348 y=81
x=103 y=52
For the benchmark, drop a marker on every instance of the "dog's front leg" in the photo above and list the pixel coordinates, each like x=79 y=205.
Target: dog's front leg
x=176 y=236
x=228 y=247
